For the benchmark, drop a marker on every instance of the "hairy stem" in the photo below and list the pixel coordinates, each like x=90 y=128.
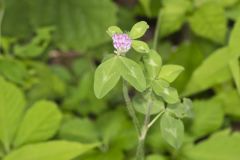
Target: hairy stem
x=130 y=108
x=140 y=149
x=156 y=34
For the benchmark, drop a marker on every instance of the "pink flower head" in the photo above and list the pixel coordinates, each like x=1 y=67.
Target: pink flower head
x=121 y=42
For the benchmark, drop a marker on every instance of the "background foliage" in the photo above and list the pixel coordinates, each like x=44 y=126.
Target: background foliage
x=49 y=52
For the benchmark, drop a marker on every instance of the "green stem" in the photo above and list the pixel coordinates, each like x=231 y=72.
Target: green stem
x=156 y=34
x=140 y=154
x=130 y=108
x=155 y=119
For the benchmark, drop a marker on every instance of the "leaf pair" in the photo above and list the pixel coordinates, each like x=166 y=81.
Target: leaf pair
x=137 y=31
x=109 y=72
x=160 y=76
x=38 y=124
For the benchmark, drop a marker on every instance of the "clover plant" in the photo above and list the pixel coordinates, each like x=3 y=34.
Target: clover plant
x=154 y=97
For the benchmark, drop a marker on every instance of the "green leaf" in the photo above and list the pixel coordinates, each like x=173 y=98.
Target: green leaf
x=223 y=3
x=79 y=24
x=13 y=70
x=214 y=70
x=106 y=76
x=233 y=12
x=170 y=72
x=118 y=132
x=181 y=110
x=235 y=36
x=208 y=117
x=40 y=123
x=209 y=21
x=60 y=150
x=234 y=67
x=172 y=130
x=146 y=4
x=140 y=103
x=162 y=88
x=132 y=73
x=140 y=46
x=37 y=45
x=113 y=30
x=230 y=101
x=152 y=63
x=221 y=146
x=76 y=129
x=138 y=30
x=156 y=157
x=172 y=19
x=12 y=105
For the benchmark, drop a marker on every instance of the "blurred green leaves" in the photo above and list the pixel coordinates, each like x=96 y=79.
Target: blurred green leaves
x=62 y=150
x=40 y=123
x=222 y=145
x=210 y=22
x=79 y=29
x=12 y=106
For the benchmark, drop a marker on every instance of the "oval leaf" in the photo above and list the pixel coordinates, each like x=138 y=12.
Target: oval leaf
x=140 y=46
x=140 y=104
x=106 y=77
x=170 y=72
x=138 y=30
x=12 y=105
x=113 y=30
x=172 y=130
x=40 y=123
x=132 y=73
x=60 y=150
x=162 y=88
x=153 y=63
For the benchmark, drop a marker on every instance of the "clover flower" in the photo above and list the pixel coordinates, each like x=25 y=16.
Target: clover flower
x=123 y=42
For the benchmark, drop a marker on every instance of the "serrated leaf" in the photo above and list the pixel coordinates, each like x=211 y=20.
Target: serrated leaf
x=170 y=72
x=172 y=130
x=140 y=46
x=138 y=30
x=209 y=21
x=12 y=106
x=132 y=73
x=222 y=146
x=60 y=150
x=152 y=63
x=162 y=88
x=106 y=76
x=40 y=123
x=140 y=103
x=208 y=117
x=113 y=30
